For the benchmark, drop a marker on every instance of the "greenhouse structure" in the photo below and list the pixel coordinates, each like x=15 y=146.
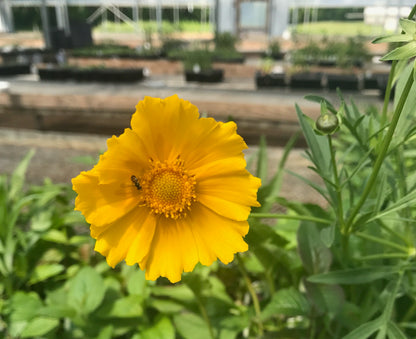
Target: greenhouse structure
x=235 y=16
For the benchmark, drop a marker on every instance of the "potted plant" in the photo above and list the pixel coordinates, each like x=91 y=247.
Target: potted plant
x=269 y=76
x=274 y=51
x=225 y=49
x=198 y=67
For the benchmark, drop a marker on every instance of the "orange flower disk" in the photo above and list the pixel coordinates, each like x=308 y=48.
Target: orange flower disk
x=170 y=192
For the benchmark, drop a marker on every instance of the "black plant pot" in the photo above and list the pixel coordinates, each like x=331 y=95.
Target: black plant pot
x=119 y=75
x=342 y=81
x=326 y=63
x=270 y=80
x=212 y=75
x=370 y=82
x=233 y=60
x=306 y=80
x=108 y=75
x=274 y=56
x=55 y=73
x=14 y=69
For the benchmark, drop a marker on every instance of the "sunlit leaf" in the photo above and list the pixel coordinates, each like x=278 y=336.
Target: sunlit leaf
x=191 y=326
x=43 y=272
x=408 y=26
x=403 y=52
x=393 y=38
x=39 y=326
x=162 y=329
x=18 y=176
x=86 y=290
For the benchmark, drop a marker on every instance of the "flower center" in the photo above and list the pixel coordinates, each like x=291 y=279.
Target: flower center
x=168 y=189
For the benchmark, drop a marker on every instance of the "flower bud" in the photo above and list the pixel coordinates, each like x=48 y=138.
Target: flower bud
x=327 y=123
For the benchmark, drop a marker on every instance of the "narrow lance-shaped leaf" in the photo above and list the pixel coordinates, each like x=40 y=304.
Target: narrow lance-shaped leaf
x=408 y=26
x=354 y=276
x=404 y=52
x=393 y=38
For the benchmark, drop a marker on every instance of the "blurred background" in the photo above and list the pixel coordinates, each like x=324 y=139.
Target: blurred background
x=72 y=71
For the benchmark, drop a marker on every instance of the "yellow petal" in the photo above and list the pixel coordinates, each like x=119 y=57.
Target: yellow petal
x=127 y=155
x=173 y=250
x=229 y=195
x=103 y=204
x=212 y=142
x=202 y=236
x=119 y=239
x=222 y=236
x=164 y=124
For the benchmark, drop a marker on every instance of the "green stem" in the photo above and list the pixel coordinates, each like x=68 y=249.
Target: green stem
x=388 y=93
x=204 y=314
x=383 y=256
x=286 y=216
x=381 y=156
x=340 y=210
x=409 y=313
x=382 y=241
x=394 y=233
x=253 y=294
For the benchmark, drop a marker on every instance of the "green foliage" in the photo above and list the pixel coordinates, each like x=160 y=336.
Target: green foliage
x=200 y=57
x=344 y=52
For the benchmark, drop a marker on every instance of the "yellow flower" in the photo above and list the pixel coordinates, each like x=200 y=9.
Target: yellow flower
x=170 y=192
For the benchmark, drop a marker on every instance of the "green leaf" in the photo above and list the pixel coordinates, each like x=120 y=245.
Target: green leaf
x=43 y=272
x=394 y=332
x=57 y=311
x=18 y=176
x=408 y=26
x=191 y=326
x=328 y=235
x=136 y=283
x=318 y=145
x=41 y=221
x=39 y=326
x=318 y=99
x=127 y=307
x=315 y=256
x=327 y=299
x=403 y=52
x=165 y=306
x=365 y=330
x=288 y=302
x=177 y=292
x=163 y=329
x=407 y=200
x=24 y=306
x=86 y=290
x=56 y=236
x=393 y=38
x=106 y=332
x=354 y=276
